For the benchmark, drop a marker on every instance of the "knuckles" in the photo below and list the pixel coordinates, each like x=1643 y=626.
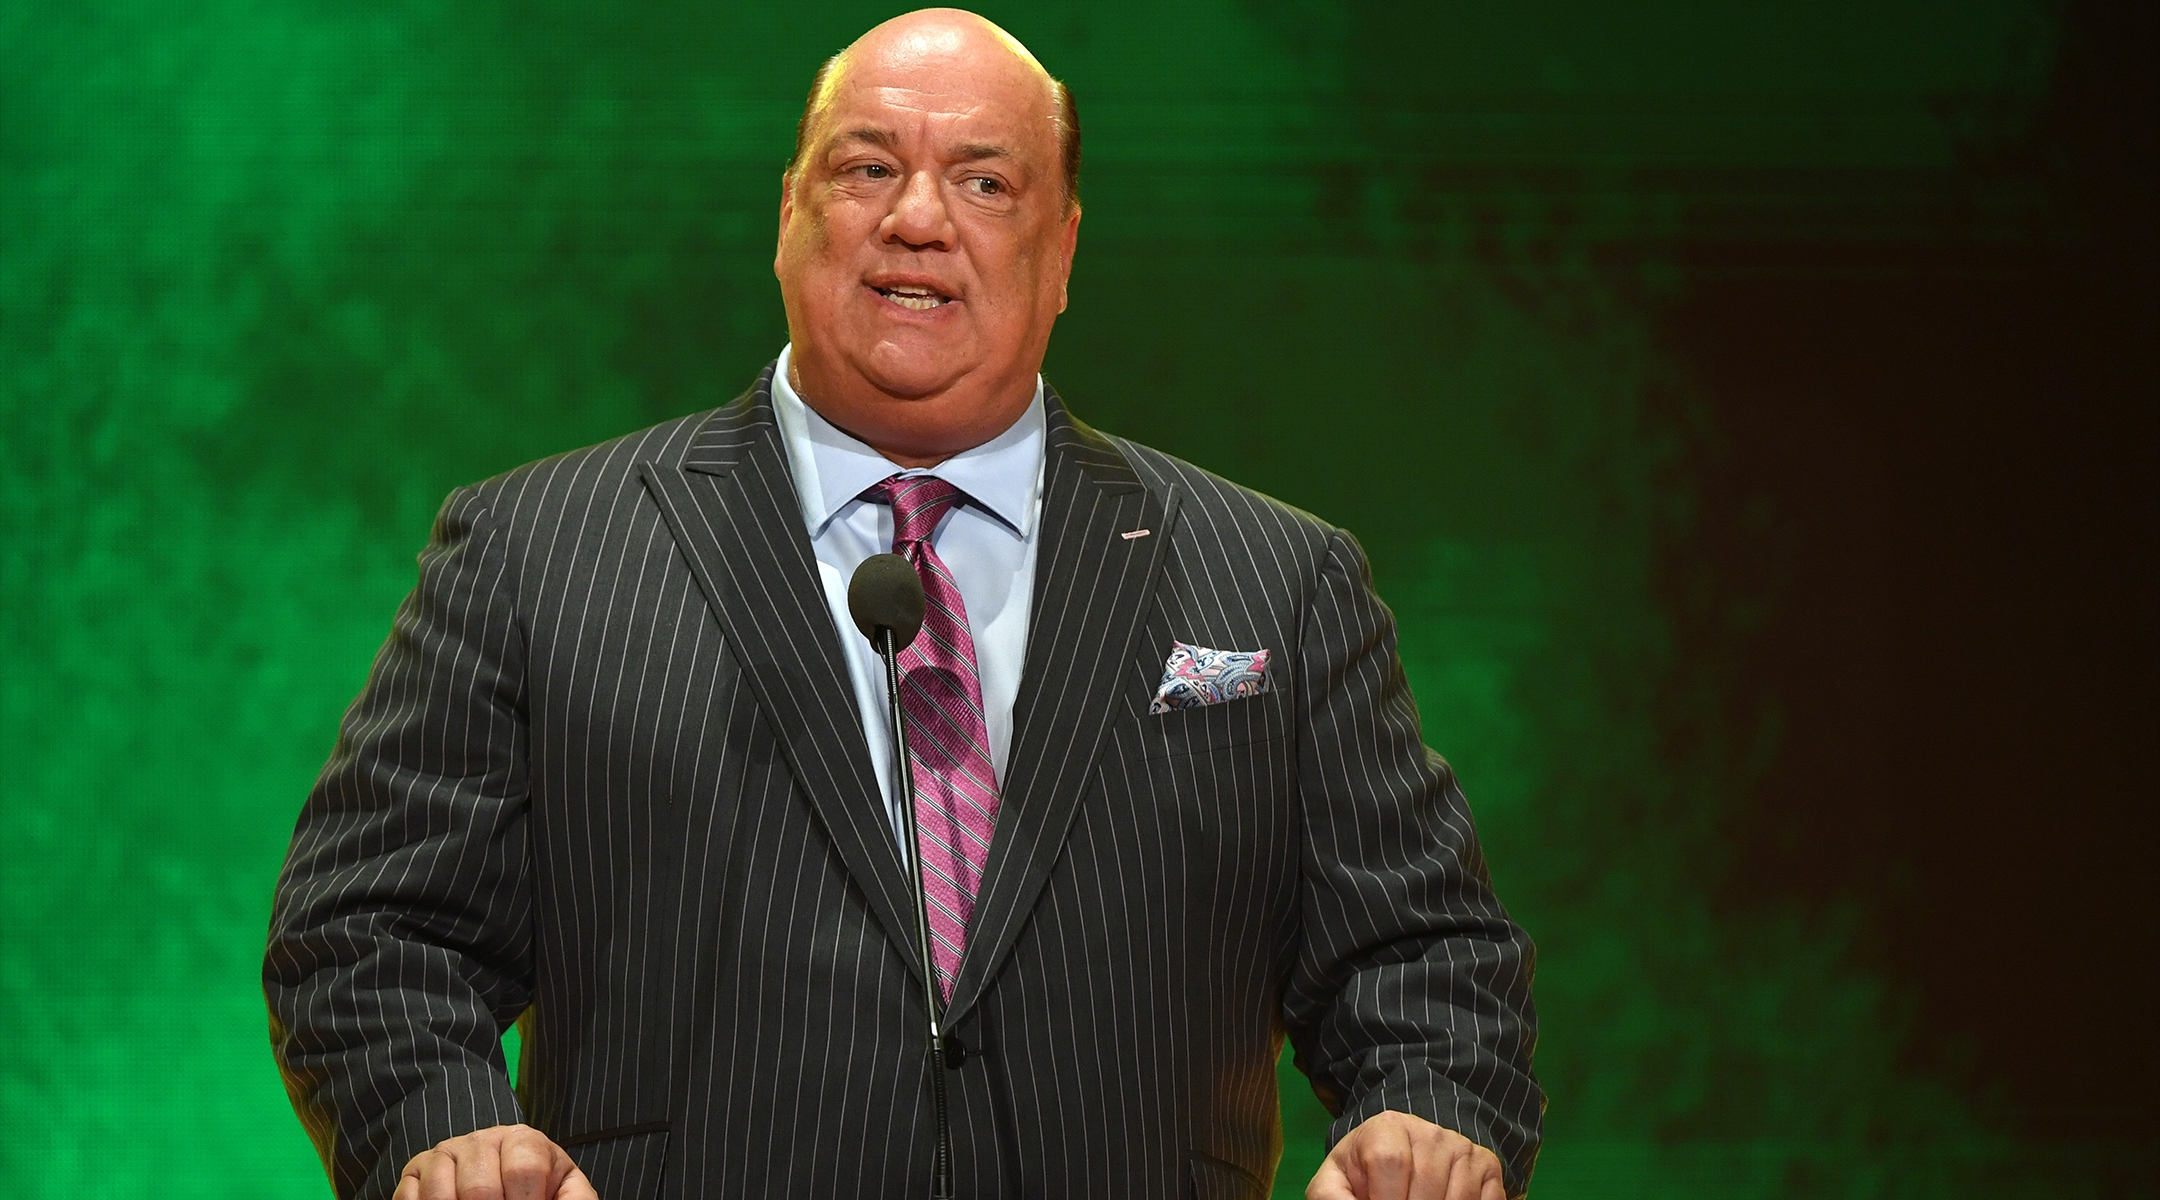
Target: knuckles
x=1395 y=1143
x=524 y=1155
x=525 y=1163
x=1385 y=1160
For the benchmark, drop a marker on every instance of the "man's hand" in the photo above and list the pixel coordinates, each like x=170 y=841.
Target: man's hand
x=1395 y=1156
x=507 y=1162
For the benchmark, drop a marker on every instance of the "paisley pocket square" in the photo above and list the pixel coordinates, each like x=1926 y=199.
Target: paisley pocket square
x=1196 y=676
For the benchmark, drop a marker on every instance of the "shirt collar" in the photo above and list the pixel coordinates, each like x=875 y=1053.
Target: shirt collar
x=1003 y=476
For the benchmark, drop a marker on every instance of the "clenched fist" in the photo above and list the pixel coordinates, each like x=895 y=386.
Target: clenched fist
x=1395 y=1156
x=507 y=1162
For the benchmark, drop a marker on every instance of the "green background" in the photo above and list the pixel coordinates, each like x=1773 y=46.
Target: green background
x=274 y=277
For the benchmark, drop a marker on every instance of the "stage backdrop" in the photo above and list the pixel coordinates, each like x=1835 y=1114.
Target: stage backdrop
x=1546 y=302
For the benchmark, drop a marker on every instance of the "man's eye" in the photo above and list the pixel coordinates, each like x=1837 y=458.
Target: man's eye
x=877 y=171
x=986 y=187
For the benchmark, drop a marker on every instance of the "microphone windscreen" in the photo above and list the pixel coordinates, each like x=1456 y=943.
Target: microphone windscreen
x=886 y=594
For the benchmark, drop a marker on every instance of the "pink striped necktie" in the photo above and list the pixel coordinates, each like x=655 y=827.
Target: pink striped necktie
x=956 y=796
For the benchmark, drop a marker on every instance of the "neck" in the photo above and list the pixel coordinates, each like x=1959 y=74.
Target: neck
x=896 y=457
x=913 y=459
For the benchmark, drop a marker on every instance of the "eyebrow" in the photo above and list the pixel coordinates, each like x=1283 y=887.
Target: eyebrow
x=886 y=138
x=871 y=134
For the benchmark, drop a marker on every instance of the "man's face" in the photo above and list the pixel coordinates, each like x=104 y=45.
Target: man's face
x=924 y=245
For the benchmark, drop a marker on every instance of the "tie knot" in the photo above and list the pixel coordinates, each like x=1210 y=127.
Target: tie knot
x=918 y=502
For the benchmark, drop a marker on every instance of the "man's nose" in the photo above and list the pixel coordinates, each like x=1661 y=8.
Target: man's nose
x=919 y=217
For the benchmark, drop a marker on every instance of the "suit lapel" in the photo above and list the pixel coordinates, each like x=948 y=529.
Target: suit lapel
x=1091 y=589
x=732 y=507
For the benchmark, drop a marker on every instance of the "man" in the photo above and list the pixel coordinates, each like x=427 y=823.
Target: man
x=618 y=772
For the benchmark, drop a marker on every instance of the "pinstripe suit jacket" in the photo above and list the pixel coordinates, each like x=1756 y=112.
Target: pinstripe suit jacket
x=607 y=779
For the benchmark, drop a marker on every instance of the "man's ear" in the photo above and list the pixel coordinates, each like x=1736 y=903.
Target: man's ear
x=1068 y=242
x=787 y=213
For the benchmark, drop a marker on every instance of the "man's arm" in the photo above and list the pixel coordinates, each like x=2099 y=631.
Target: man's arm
x=400 y=939
x=1411 y=990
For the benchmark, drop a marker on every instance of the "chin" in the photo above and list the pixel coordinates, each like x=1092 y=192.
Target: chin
x=905 y=431
x=916 y=374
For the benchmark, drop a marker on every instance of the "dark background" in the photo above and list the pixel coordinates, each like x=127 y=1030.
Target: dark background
x=1953 y=440
x=1749 y=411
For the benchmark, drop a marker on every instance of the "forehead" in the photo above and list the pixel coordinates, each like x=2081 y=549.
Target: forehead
x=971 y=92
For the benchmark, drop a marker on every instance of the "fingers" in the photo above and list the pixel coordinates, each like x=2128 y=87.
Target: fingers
x=507 y=1162
x=1395 y=1156
x=1390 y=1159
x=1374 y=1162
x=531 y=1166
x=1474 y=1172
x=1465 y=1177
x=479 y=1168
x=576 y=1187
x=1438 y=1170
x=1492 y=1183
x=438 y=1174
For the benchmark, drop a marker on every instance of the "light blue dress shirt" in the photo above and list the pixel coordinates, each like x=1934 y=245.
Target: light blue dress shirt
x=988 y=543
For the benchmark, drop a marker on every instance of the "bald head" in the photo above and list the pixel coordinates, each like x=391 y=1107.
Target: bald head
x=953 y=35
x=927 y=228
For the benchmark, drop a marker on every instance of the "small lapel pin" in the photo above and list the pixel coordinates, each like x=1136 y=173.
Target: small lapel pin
x=1130 y=534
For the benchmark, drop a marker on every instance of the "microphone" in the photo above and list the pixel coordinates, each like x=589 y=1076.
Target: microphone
x=886 y=599
x=886 y=593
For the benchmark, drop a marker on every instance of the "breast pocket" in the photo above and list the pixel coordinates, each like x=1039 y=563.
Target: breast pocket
x=622 y=1164
x=1184 y=732
x=1216 y=1179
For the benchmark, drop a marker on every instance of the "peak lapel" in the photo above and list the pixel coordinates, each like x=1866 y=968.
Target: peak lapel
x=732 y=507
x=1091 y=589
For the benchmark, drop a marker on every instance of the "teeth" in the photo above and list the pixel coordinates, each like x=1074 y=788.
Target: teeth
x=917 y=299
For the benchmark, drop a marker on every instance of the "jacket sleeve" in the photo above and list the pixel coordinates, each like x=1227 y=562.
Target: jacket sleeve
x=399 y=943
x=1411 y=987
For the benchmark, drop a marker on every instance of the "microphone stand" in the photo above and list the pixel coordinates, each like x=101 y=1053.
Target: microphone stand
x=941 y=1180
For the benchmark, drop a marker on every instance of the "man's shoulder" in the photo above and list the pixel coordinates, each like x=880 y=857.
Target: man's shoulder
x=576 y=476
x=1212 y=500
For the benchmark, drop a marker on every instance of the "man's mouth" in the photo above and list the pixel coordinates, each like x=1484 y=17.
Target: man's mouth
x=919 y=299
